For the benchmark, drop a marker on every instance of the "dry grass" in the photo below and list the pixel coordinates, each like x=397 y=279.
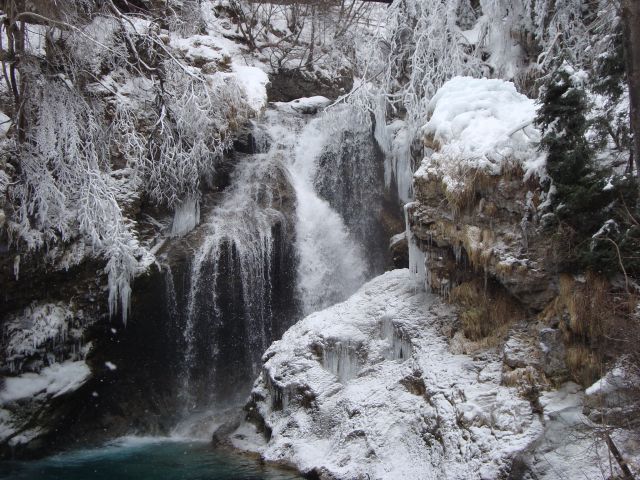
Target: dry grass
x=474 y=181
x=597 y=324
x=584 y=364
x=512 y=170
x=487 y=313
x=525 y=379
x=477 y=242
x=479 y=183
x=586 y=303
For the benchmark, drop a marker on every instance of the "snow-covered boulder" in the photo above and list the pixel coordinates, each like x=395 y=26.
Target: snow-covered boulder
x=23 y=398
x=615 y=390
x=479 y=125
x=369 y=389
x=310 y=105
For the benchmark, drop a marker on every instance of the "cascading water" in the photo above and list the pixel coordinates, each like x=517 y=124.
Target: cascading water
x=271 y=250
x=229 y=317
x=349 y=175
x=332 y=264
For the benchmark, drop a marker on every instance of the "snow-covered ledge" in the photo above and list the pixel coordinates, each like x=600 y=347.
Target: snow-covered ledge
x=369 y=389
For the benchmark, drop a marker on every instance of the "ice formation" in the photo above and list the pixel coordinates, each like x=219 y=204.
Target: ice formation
x=186 y=217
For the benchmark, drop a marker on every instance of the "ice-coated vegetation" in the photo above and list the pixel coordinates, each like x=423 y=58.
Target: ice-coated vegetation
x=138 y=122
x=39 y=327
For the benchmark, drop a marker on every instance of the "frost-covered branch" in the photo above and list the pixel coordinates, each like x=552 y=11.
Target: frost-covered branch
x=106 y=113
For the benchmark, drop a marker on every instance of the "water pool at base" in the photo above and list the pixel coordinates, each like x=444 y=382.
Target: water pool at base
x=144 y=459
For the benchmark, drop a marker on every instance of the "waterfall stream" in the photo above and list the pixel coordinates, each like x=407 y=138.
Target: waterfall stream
x=277 y=246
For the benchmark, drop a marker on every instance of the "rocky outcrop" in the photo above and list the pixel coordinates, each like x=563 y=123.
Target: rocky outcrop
x=479 y=222
x=494 y=232
x=287 y=85
x=369 y=389
x=478 y=196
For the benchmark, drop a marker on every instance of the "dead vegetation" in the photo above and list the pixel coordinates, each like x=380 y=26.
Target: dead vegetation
x=597 y=322
x=476 y=184
x=487 y=311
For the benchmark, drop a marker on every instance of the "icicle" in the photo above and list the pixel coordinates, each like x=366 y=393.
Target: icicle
x=16 y=267
x=445 y=288
x=381 y=131
x=341 y=360
x=186 y=217
x=417 y=258
x=457 y=253
x=400 y=347
x=402 y=163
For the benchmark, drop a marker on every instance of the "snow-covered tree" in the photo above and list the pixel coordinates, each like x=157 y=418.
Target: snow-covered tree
x=105 y=114
x=302 y=35
x=631 y=19
x=589 y=201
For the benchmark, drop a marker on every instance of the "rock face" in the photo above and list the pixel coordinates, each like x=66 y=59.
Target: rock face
x=477 y=223
x=288 y=85
x=369 y=389
x=496 y=233
x=478 y=195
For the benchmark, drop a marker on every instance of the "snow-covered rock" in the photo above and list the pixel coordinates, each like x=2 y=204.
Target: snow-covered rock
x=53 y=381
x=479 y=124
x=310 y=105
x=254 y=82
x=23 y=398
x=369 y=389
x=613 y=394
x=572 y=446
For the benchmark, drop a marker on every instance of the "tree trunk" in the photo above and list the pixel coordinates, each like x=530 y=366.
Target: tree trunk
x=631 y=18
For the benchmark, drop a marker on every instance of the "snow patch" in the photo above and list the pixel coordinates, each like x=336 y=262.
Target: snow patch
x=5 y=124
x=54 y=381
x=254 y=82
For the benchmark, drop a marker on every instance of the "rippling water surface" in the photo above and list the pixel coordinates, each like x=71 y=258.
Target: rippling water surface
x=144 y=459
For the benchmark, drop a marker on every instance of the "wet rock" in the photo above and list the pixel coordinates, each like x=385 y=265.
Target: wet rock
x=399 y=248
x=288 y=85
x=221 y=434
x=553 y=352
x=250 y=140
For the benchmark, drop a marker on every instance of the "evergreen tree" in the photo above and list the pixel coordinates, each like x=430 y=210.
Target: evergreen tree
x=590 y=203
x=562 y=118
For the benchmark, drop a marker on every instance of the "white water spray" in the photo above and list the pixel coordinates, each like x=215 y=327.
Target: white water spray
x=332 y=265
